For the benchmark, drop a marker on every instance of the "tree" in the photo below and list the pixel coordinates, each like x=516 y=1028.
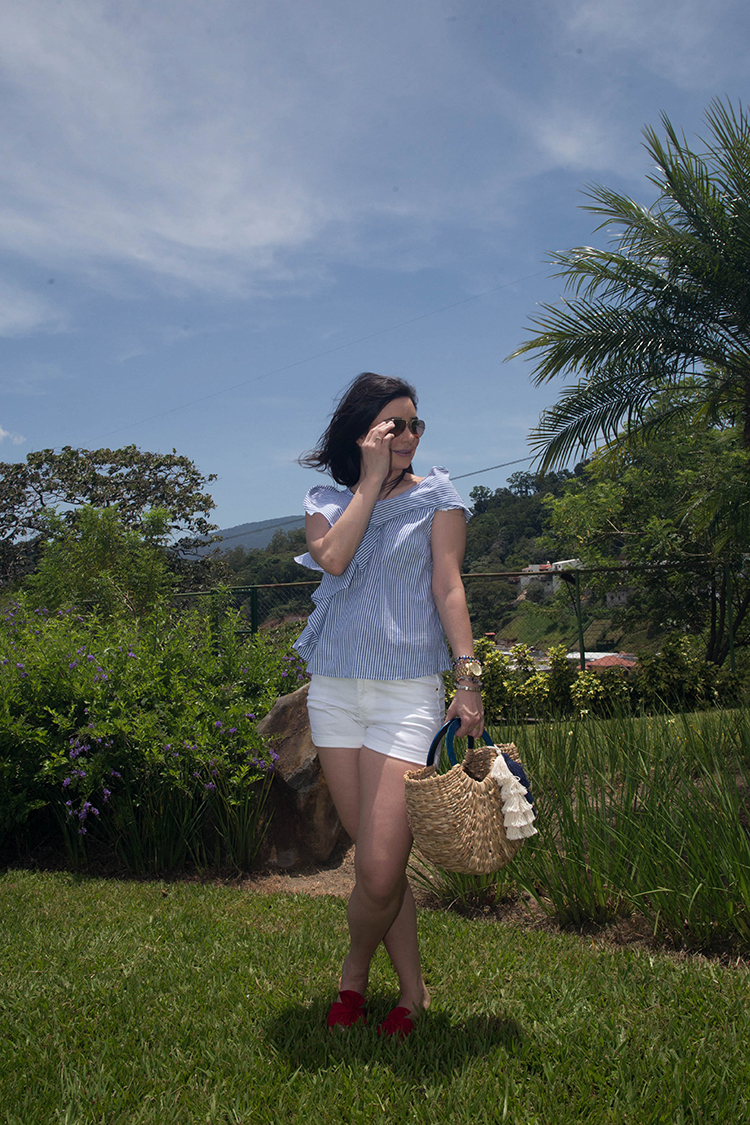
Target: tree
x=95 y=562
x=640 y=508
x=507 y=522
x=133 y=481
x=667 y=307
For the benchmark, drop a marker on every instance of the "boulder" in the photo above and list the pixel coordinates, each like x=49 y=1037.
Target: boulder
x=304 y=827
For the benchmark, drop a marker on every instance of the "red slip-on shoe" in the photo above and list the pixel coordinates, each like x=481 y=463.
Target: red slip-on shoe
x=347 y=1010
x=397 y=1022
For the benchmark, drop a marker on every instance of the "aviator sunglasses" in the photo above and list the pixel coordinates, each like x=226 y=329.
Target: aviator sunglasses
x=416 y=425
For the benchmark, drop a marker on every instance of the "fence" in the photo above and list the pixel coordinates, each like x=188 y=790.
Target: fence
x=586 y=608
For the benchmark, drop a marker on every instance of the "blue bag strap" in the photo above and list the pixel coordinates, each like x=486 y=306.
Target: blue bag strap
x=449 y=733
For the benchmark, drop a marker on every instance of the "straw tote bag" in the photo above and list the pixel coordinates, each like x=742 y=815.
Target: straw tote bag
x=475 y=817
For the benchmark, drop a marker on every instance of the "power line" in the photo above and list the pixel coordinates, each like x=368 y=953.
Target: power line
x=491 y=467
x=321 y=355
x=259 y=530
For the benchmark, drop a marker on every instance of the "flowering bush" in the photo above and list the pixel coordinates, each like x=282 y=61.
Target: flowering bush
x=137 y=735
x=676 y=678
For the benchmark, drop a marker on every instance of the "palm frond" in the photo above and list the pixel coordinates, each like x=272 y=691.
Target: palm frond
x=591 y=409
x=582 y=336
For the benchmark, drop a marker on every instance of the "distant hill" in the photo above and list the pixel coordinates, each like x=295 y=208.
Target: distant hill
x=257 y=534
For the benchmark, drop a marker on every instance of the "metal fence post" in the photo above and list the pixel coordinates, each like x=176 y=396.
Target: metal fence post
x=253 y=610
x=730 y=614
x=581 y=646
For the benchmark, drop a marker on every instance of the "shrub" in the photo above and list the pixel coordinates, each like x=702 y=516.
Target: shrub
x=140 y=736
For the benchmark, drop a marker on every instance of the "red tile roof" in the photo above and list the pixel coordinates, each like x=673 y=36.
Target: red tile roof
x=612 y=662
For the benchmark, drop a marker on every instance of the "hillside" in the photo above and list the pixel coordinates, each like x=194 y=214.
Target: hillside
x=253 y=536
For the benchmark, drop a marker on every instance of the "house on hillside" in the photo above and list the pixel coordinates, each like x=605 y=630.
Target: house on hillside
x=547 y=574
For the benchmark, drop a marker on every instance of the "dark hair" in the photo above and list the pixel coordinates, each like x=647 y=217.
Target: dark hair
x=337 y=451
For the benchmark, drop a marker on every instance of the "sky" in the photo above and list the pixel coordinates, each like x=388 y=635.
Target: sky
x=215 y=213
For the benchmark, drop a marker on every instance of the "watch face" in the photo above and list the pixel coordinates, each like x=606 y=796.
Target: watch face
x=473 y=667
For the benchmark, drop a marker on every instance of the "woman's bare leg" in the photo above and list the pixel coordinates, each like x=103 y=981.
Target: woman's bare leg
x=368 y=791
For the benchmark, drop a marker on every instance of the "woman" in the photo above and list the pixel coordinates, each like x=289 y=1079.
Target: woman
x=390 y=546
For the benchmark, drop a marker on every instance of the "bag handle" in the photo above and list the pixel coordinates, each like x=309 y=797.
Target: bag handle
x=449 y=731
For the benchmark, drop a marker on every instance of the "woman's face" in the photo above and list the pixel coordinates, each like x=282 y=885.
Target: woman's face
x=404 y=445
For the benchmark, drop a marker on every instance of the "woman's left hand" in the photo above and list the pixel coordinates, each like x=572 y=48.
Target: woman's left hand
x=467 y=706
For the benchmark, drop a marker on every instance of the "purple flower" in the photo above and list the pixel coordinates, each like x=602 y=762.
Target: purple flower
x=217 y=724
x=232 y=730
x=107 y=794
x=210 y=786
x=73 y=664
x=114 y=773
x=66 y=783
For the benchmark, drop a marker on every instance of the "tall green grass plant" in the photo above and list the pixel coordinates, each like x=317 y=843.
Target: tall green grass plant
x=646 y=815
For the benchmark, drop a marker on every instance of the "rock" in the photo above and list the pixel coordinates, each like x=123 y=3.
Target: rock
x=305 y=827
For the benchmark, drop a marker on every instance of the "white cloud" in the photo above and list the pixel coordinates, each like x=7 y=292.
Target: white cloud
x=17 y=439
x=238 y=147
x=202 y=143
x=22 y=312
x=688 y=42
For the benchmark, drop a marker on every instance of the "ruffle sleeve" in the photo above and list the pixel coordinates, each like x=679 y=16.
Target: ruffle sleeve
x=330 y=502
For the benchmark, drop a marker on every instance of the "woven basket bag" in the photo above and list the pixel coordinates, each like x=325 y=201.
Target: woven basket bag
x=459 y=819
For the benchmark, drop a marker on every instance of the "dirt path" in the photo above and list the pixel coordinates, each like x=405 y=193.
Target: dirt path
x=336 y=877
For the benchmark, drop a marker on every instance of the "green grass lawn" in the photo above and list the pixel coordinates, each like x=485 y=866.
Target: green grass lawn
x=126 y=1002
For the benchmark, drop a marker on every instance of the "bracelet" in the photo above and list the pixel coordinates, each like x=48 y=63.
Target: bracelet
x=467 y=668
x=476 y=690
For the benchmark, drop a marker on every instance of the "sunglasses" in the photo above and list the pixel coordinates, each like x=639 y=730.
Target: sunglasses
x=416 y=426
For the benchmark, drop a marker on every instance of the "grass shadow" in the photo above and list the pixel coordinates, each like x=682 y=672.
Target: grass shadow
x=437 y=1049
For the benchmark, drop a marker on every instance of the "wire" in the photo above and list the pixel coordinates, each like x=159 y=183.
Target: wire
x=489 y=470
x=299 y=520
x=320 y=355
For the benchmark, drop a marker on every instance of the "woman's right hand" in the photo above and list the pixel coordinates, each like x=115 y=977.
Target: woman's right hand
x=333 y=546
x=376 y=452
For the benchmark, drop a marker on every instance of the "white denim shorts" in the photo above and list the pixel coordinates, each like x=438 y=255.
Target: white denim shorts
x=395 y=717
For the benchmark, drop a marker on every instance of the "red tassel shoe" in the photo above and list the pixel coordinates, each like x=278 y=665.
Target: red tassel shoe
x=397 y=1022
x=347 y=1010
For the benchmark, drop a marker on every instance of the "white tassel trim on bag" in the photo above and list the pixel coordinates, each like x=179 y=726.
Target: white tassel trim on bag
x=518 y=815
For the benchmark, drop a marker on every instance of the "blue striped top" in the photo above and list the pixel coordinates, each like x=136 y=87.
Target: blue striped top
x=378 y=620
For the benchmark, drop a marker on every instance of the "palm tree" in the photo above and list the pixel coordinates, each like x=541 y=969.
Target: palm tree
x=658 y=326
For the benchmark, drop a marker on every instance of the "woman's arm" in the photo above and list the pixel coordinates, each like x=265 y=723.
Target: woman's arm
x=334 y=547
x=448 y=547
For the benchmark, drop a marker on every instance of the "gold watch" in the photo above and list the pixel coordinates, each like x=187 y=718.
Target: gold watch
x=467 y=666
